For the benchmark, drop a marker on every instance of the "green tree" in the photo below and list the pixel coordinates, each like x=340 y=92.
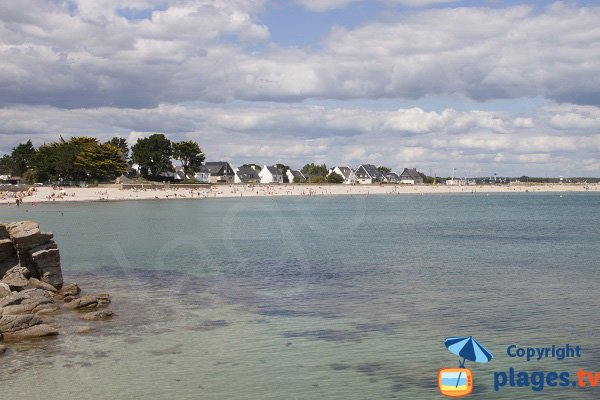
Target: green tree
x=317 y=179
x=282 y=167
x=101 y=161
x=252 y=165
x=121 y=144
x=23 y=158
x=335 y=178
x=384 y=170
x=190 y=155
x=315 y=169
x=6 y=165
x=153 y=155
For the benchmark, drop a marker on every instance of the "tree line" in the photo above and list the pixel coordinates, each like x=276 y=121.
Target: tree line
x=84 y=158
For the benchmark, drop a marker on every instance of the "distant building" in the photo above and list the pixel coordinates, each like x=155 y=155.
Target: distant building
x=270 y=174
x=392 y=177
x=246 y=174
x=220 y=172
x=410 y=176
x=203 y=175
x=346 y=173
x=367 y=174
x=295 y=176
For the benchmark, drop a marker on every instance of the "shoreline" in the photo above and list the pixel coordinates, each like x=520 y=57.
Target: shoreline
x=112 y=194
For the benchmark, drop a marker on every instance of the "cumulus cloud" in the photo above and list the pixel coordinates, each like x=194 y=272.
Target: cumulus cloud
x=327 y=5
x=89 y=54
x=475 y=142
x=206 y=70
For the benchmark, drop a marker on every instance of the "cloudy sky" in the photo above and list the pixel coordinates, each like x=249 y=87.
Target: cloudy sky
x=484 y=86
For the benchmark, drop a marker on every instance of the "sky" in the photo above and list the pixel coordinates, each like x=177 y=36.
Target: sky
x=484 y=87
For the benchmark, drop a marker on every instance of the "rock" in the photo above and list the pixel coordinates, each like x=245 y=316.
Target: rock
x=36 y=331
x=47 y=265
x=2 y=349
x=15 y=323
x=4 y=291
x=8 y=264
x=85 y=329
x=26 y=235
x=3 y=232
x=6 y=249
x=16 y=278
x=97 y=315
x=37 y=284
x=29 y=301
x=88 y=302
x=70 y=290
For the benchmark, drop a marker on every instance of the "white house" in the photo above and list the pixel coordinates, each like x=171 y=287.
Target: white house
x=245 y=174
x=291 y=174
x=367 y=174
x=410 y=176
x=270 y=174
x=346 y=173
x=202 y=176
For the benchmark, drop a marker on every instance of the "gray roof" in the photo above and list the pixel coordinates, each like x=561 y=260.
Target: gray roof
x=217 y=168
x=371 y=170
x=274 y=170
x=203 y=170
x=247 y=174
x=346 y=171
x=392 y=175
x=410 y=173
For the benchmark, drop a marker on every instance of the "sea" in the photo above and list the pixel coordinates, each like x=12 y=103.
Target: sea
x=325 y=297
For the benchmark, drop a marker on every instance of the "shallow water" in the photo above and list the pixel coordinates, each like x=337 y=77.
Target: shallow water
x=326 y=297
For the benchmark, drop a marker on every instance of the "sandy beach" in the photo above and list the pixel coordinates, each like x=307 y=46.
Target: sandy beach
x=76 y=194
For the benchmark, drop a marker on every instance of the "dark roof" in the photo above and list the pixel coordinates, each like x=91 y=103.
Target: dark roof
x=247 y=174
x=218 y=168
x=297 y=174
x=371 y=170
x=346 y=171
x=410 y=173
x=274 y=170
x=203 y=170
x=392 y=175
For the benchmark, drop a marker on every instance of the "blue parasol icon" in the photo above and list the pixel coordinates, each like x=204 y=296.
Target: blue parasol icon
x=469 y=349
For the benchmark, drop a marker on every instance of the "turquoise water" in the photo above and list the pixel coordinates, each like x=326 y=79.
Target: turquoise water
x=322 y=297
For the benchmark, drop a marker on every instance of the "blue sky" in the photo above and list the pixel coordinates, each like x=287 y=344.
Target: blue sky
x=504 y=86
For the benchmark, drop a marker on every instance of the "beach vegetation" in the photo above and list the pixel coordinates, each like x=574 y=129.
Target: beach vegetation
x=153 y=155
x=315 y=173
x=121 y=144
x=335 y=178
x=190 y=155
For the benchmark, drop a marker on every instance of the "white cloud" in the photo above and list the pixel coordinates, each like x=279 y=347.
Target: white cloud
x=472 y=141
x=327 y=5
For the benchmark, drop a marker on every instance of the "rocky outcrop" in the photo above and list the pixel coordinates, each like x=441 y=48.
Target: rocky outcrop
x=31 y=286
x=88 y=302
x=23 y=244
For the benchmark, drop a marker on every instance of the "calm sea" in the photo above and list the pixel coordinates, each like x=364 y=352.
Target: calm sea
x=315 y=298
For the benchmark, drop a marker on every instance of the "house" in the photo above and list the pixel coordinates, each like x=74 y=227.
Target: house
x=367 y=174
x=270 y=174
x=295 y=176
x=246 y=174
x=346 y=173
x=202 y=176
x=391 y=177
x=410 y=176
x=220 y=172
